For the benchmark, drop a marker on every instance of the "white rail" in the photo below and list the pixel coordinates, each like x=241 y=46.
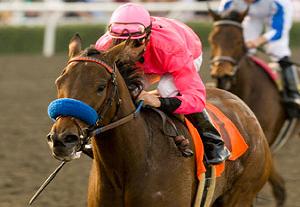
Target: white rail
x=57 y=6
x=52 y=13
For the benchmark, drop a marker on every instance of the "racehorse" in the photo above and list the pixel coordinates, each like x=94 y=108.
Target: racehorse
x=135 y=163
x=236 y=72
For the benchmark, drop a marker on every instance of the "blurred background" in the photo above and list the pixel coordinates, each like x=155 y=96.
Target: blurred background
x=34 y=37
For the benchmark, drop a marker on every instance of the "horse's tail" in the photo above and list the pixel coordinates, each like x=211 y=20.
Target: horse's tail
x=278 y=187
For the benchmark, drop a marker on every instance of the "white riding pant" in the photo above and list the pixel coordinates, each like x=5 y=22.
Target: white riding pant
x=166 y=86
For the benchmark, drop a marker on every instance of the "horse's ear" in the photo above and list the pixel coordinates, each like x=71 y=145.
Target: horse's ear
x=244 y=14
x=123 y=52
x=214 y=15
x=113 y=53
x=74 y=46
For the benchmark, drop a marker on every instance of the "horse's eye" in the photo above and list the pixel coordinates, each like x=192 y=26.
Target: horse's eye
x=102 y=84
x=101 y=88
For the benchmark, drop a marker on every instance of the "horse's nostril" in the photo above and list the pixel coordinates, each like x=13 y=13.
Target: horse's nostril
x=71 y=139
x=57 y=143
x=49 y=137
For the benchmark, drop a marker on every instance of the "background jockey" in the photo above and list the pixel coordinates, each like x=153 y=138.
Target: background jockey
x=171 y=50
x=275 y=17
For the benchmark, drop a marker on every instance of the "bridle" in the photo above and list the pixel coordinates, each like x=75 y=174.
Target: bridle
x=91 y=131
x=87 y=133
x=223 y=58
x=114 y=92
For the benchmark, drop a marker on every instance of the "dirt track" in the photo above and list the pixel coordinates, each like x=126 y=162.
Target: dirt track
x=26 y=88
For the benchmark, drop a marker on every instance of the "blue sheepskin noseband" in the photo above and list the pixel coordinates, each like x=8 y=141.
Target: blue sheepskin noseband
x=74 y=108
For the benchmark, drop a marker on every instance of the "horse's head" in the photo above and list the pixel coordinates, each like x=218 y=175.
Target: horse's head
x=227 y=46
x=88 y=89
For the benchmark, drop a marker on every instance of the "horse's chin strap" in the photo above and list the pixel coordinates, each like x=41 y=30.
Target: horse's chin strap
x=229 y=59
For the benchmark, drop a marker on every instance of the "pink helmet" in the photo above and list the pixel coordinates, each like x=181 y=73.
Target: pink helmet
x=129 y=20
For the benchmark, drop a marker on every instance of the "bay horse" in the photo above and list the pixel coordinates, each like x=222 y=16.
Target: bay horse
x=235 y=71
x=135 y=164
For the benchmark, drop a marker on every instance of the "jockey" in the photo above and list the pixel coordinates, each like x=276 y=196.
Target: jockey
x=172 y=51
x=275 y=16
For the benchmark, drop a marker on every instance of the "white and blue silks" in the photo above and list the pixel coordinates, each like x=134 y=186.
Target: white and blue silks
x=274 y=17
x=73 y=108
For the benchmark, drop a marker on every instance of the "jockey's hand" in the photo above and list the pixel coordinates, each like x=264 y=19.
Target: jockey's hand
x=154 y=92
x=256 y=43
x=149 y=98
x=251 y=44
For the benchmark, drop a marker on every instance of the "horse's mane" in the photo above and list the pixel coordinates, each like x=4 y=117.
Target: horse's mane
x=130 y=72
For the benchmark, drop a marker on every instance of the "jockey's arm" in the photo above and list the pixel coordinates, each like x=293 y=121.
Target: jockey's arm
x=188 y=83
x=276 y=24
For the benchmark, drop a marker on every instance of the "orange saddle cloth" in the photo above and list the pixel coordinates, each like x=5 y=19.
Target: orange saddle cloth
x=233 y=139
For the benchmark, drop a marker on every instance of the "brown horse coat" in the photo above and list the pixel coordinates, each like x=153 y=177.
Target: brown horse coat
x=236 y=72
x=135 y=164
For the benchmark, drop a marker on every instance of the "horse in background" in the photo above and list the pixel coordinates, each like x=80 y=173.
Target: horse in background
x=135 y=163
x=237 y=72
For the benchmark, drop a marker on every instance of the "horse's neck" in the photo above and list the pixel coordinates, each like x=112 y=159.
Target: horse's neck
x=253 y=82
x=250 y=79
x=258 y=91
x=127 y=154
x=117 y=156
x=114 y=148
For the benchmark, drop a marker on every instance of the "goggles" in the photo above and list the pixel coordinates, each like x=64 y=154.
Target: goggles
x=127 y=30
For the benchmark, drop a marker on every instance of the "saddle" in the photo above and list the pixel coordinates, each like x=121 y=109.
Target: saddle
x=233 y=139
x=271 y=70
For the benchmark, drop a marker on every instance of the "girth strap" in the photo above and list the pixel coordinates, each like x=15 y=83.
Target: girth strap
x=181 y=142
x=165 y=119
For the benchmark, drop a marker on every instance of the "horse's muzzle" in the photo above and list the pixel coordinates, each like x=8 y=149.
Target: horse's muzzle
x=225 y=83
x=64 y=147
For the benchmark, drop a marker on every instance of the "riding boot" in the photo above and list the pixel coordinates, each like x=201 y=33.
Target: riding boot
x=291 y=81
x=214 y=147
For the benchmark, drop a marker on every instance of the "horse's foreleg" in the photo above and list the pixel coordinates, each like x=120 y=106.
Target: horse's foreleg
x=101 y=192
x=93 y=189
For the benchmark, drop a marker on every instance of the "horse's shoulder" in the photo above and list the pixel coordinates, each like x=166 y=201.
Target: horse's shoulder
x=234 y=108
